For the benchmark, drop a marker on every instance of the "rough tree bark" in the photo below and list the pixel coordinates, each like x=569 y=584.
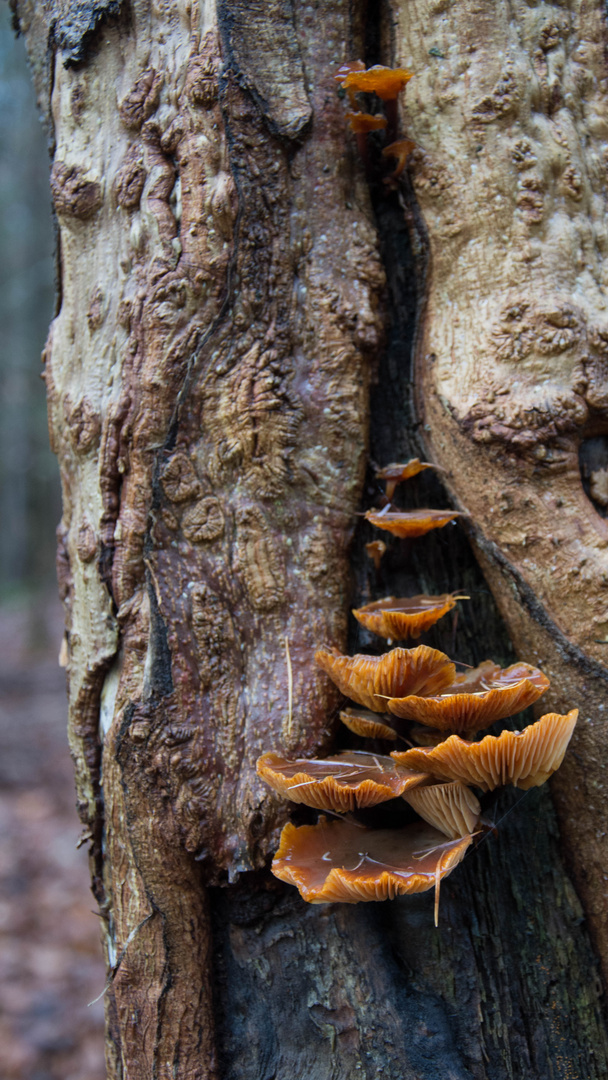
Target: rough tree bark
x=220 y=319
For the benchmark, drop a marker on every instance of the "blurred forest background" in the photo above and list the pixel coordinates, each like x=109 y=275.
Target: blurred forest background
x=50 y=958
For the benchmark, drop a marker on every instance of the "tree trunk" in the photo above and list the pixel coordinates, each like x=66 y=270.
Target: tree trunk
x=220 y=322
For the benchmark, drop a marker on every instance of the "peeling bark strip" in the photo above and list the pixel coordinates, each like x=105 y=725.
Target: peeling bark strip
x=509 y=112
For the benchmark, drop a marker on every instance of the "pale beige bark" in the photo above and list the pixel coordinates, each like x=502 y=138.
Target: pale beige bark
x=509 y=108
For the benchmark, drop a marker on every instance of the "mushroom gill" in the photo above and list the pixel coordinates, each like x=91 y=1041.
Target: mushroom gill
x=339 y=861
x=344 y=782
x=372 y=680
x=452 y=808
x=525 y=759
x=407 y=617
x=475 y=700
x=410 y=523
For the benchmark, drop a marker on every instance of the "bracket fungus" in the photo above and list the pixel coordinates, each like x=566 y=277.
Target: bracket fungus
x=410 y=523
x=348 y=781
x=372 y=681
x=523 y=758
x=339 y=861
x=474 y=701
x=408 y=617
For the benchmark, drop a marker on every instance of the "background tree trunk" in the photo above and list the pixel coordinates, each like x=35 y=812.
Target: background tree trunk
x=208 y=374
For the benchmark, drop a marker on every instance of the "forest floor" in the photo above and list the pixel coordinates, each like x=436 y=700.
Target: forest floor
x=50 y=955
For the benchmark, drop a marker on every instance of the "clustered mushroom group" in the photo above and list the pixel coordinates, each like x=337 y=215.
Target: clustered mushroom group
x=415 y=695
x=386 y=83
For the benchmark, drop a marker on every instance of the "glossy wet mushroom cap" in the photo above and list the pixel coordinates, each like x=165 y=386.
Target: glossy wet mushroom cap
x=387 y=83
x=395 y=473
x=372 y=680
x=366 y=724
x=525 y=759
x=410 y=523
x=474 y=700
x=347 y=781
x=452 y=808
x=406 y=617
x=337 y=861
x=361 y=122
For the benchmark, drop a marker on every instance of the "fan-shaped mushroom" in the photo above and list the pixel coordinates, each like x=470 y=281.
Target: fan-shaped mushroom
x=366 y=724
x=395 y=473
x=525 y=759
x=474 y=700
x=410 y=523
x=343 y=782
x=361 y=122
x=406 y=617
x=452 y=808
x=337 y=860
x=387 y=83
x=372 y=680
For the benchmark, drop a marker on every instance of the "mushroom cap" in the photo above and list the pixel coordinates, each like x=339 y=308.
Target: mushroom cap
x=371 y=680
x=405 y=617
x=395 y=473
x=366 y=724
x=401 y=151
x=476 y=699
x=387 y=83
x=376 y=549
x=343 y=782
x=452 y=808
x=411 y=523
x=339 y=861
x=525 y=759
x=361 y=122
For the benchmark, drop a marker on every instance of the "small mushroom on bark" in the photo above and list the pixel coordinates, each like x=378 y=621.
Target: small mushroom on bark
x=372 y=680
x=407 y=617
x=361 y=122
x=475 y=700
x=400 y=150
x=395 y=473
x=345 y=782
x=525 y=759
x=387 y=83
x=376 y=549
x=365 y=723
x=410 y=523
x=339 y=861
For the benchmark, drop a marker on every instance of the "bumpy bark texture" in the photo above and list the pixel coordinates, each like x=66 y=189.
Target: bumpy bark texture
x=208 y=375
x=509 y=109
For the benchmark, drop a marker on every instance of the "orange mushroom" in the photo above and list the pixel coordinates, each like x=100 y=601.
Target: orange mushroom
x=406 y=617
x=387 y=83
x=452 y=808
x=395 y=473
x=344 y=782
x=475 y=700
x=400 y=150
x=367 y=724
x=376 y=549
x=361 y=122
x=525 y=759
x=339 y=861
x=372 y=680
x=410 y=523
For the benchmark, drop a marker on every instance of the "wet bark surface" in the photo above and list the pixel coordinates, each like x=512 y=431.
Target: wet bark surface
x=209 y=405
